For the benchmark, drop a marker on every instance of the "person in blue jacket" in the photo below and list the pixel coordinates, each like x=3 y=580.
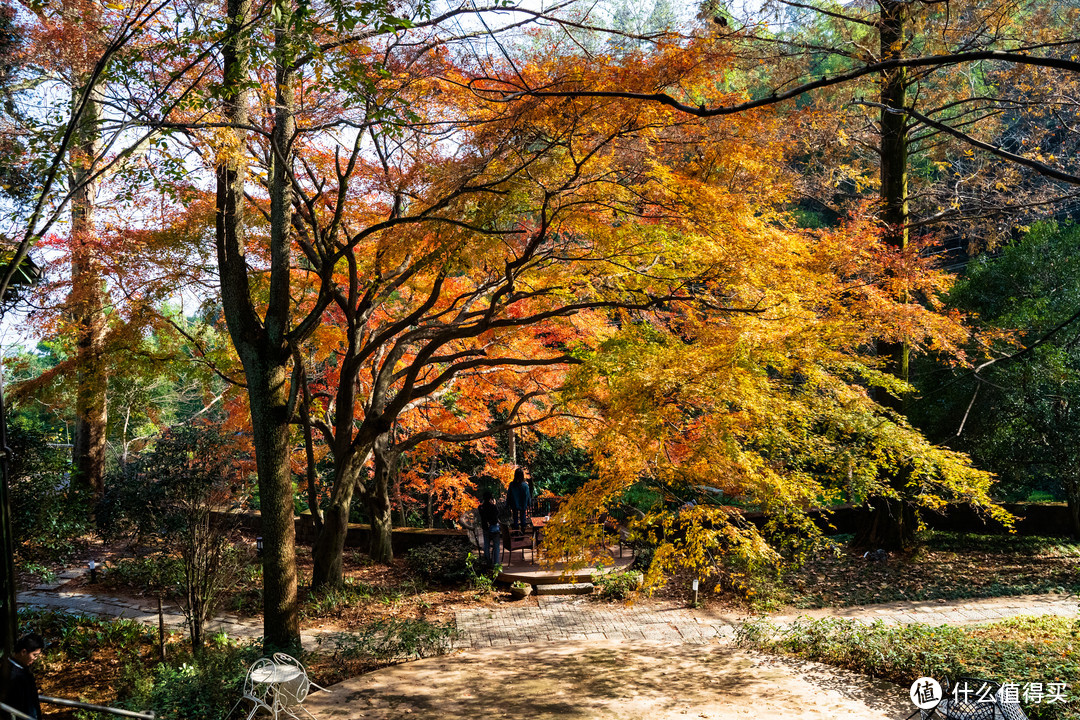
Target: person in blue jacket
x=518 y=499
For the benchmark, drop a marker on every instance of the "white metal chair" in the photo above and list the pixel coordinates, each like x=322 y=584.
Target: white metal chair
x=278 y=685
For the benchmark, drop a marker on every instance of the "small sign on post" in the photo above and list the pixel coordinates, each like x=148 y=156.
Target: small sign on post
x=695 y=588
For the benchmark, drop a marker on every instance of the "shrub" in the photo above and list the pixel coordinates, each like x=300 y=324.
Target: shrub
x=391 y=640
x=643 y=557
x=617 y=585
x=78 y=637
x=200 y=688
x=178 y=492
x=46 y=513
x=448 y=562
x=1018 y=650
x=153 y=573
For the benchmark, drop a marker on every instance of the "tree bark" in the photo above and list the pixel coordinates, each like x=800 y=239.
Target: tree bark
x=86 y=301
x=267 y=394
x=262 y=343
x=894 y=162
x=890 y=524
x=329 y=546
x=377 y=496
x=309 y=451
x=1072 y=496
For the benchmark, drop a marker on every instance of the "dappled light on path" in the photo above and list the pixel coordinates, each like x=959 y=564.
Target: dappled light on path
x=638 y=681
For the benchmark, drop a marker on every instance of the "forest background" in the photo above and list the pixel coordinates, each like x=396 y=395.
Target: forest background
x=680 y=263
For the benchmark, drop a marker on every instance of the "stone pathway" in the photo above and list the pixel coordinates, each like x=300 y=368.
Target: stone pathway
x=145 y=613
x=562 y=619
x=558 y=619
x=951 y=612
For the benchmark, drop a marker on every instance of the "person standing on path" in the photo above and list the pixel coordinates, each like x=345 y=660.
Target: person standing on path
x=489 y=521
x=518 y=498
x=22 y=693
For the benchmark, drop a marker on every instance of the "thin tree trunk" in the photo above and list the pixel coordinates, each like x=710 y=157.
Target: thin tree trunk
x=431 y=493
x=329 y=548
x=378 y=502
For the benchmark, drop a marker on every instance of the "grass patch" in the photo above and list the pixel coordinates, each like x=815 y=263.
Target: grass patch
x=1019 y=650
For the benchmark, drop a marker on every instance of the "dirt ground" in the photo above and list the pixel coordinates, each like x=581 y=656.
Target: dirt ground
x=608 y=680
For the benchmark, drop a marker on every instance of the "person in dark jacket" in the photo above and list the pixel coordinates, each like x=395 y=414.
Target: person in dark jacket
x=489 y=521
x=22 y=692
x=518 y=497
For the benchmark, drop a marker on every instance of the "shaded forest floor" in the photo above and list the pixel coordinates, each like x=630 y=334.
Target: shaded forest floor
x=949 y=566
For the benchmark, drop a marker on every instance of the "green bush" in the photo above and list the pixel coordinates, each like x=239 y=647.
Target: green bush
x=448 y=562
x=46 y=513
x=617 y=585
x=78 y=637
x=1018 y=650
x=202 y=688
x=153 y=573
x=392 y=640
x=643 y=557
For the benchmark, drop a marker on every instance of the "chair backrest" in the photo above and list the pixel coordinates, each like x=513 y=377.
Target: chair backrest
x=971 y=698
x=514 y=539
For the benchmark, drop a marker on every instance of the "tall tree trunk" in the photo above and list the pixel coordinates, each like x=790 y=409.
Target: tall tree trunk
x=329 y=546
x=268 y=397
x=890 y=524
x=261 y=343
x=377 y=496
x=894 y=162
x=1072 y=495
x=87 y=300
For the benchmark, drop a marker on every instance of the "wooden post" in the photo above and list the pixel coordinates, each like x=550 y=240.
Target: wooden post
x=160 y=629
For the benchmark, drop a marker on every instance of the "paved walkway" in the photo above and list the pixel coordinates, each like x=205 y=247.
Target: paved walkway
x=562 y=619
x=141 y=612
x=951 y=612
x=565 y=619
x=610 y=680
x=577 y=619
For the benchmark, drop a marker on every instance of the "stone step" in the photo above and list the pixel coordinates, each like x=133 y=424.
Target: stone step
x=564 y=589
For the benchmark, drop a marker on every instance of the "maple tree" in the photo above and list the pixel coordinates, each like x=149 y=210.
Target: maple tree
x=912 y=50
x=415 y=247
x=89 y=152
x=335 y=69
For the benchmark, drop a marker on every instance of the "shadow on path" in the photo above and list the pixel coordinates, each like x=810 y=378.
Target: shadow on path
x=609 y=680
